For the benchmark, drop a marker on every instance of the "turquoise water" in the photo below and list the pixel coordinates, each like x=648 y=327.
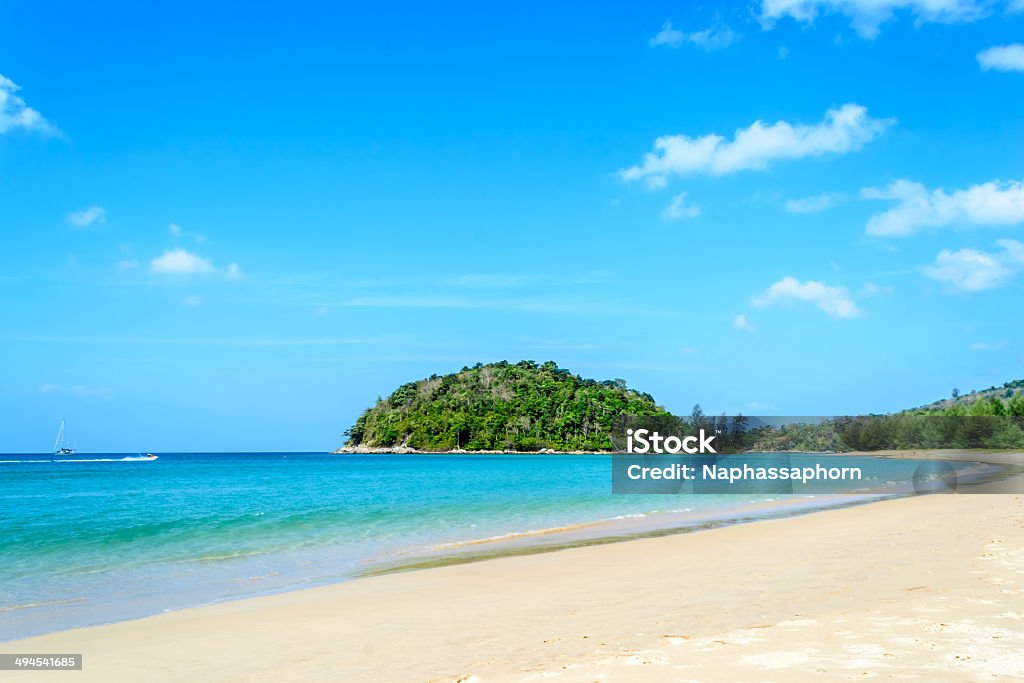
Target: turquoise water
x=100 y=539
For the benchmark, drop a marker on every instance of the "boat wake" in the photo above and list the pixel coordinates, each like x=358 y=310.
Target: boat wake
x=128 y=458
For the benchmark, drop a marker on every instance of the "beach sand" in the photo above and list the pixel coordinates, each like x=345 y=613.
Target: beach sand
x=928 y=588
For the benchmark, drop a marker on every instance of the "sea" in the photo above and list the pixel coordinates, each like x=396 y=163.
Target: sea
x=100 y=538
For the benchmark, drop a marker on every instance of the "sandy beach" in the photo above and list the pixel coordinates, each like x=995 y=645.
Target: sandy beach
x=928 y=588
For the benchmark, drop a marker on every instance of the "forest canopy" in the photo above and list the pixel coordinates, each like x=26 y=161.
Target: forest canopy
x=525 y=406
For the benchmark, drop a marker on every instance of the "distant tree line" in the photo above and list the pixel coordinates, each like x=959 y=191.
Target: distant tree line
x=986 y=423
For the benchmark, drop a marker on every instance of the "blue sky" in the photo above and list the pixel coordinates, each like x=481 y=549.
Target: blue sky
x=233 y=231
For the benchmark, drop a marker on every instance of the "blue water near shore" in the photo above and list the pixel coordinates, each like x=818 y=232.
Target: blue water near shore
x=98 y=538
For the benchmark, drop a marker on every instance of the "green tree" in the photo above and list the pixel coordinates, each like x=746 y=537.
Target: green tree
x=526 y=406
x=697 y=418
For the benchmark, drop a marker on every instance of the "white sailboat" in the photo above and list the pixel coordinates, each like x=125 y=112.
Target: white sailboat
x=61 y=446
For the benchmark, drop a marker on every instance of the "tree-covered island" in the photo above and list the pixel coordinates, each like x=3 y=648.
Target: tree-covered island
x=525 y=406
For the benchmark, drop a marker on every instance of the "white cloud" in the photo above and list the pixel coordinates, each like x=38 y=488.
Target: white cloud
x=741 y=323
x=985 y=346
x=86 y=217
x=713 y=38
x=815 y=204
x=843 y=130
x=678 y=209
x=834 y=301
x=14 y=113
x=716 y=37
x=127 y=264
x=1002 y=58
x=176 y=231
x=971 y=270
x=994 y=203
x=180 y=262
x=866 y=16
x=668 y=36
x=192 y=300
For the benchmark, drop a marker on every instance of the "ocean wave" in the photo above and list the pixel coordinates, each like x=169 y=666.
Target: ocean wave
x=225 y=556
x=548 y=531
x=44 y=603
x=515 y=535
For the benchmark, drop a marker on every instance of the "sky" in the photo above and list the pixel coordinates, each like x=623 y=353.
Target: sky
x=233 y=231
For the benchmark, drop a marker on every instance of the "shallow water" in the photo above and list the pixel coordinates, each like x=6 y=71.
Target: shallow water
x=98 y=538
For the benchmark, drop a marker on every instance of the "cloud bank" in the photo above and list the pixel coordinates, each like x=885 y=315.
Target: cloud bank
x=843 y=130
x=867 y=16
x=972 y=270
x=1002 y=58
x=992 y=204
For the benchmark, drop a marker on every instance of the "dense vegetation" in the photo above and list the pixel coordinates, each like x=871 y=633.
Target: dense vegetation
x=802 y=438
x=524 y=406
x=901 y=431
x=982 y=401
x=907 y=431
x=989 y=418
x=528 y=406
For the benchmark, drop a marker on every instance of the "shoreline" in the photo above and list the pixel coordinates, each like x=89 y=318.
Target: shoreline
x=279 y=573
x=308 y=557
x=925 y=453
x=922 y=585
x=406 y=450
x=935 y=602
x=621 y=528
